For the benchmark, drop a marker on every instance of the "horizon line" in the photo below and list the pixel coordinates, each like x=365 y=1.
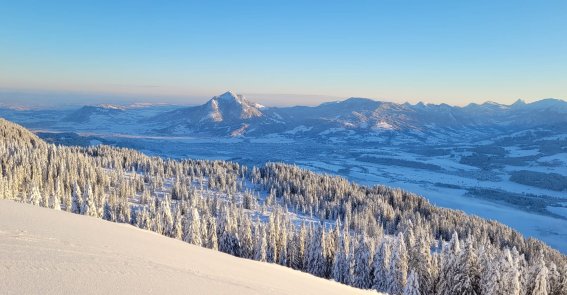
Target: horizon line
x=97 y=98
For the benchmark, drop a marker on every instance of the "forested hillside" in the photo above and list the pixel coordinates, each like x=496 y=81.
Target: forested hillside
x=368 y=237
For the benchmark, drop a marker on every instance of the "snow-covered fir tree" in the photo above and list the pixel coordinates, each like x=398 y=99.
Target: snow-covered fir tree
x=341 y=267
x=361 y=276
x=412 y=286
x=398 y=266
x=260 y=251
x=192 y=231
x=381 y=262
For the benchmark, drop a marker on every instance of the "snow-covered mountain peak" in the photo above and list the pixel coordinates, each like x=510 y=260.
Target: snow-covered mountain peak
x=548 y=106
x=232 y=97
x=353 y=101
x=229 y=96
x=361 y=102
x=230 y=114
x=111 y=107
x=495 y=104
x=549 y=103
x=233 y=106
x=223 y=114
x=519 y=102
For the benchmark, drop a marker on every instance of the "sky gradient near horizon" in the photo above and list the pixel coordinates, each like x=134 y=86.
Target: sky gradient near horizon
x=184 y=51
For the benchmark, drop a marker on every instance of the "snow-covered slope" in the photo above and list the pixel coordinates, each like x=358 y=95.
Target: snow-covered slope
x=43 y=251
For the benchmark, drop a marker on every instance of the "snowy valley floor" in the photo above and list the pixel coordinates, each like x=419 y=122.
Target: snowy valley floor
x=43 y=251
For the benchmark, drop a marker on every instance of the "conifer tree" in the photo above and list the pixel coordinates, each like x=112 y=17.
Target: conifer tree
x=302 y=246
x=272 y=251
x=143 y=219
x=540 y=281
x=88 y=206
x=563 y=284
x=340 y=271
x=423 y=265
x=166 y=217
x=247 y=244
x=466 y=276
x=260 y=251
x=212 y=231
x=553 y=279
x=228 y=242
x=398 y=266
x=108 y=211
x=77 y=199
x=412 y=285
x=282 y=260
x=315 y=261
x=361 y=273
x=67 y=202
x=177 y=230
x=193 y=228
x=35 y=196
x=55 y=202
x=449 y=265
x=509 y=274
x=382 y=260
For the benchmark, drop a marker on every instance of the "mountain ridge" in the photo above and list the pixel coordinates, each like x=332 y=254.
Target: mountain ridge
x=352 y=119
x=224 y=114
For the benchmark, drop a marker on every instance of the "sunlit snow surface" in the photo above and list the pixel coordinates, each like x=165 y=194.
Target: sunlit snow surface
x=43 y=251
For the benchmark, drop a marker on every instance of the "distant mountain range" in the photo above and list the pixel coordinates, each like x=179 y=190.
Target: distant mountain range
x=233 y=115
x=362 y=119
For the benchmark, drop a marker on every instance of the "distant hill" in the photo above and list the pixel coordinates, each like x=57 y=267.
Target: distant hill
x=86 y=113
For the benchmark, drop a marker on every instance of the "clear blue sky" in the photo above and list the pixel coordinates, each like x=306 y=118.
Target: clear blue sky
x=453 y=51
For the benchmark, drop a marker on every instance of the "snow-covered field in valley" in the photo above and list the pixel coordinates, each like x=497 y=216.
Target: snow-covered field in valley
x=43 y=251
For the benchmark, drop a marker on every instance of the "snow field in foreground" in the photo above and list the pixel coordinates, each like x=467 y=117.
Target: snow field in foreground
x=43 y=251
